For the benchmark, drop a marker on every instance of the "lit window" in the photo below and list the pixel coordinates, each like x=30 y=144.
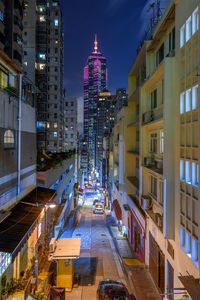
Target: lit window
x=55 y=125
x=195 y=20
x=55 y=134
x=42 y=56
x=182 y=36
x=48 y=124
x=39 y=229
x=195 y=174
x=182 y=237
x=56 y=41
x=56 y=22
x=153 y=143
x=1 y=16
x=188 y=171
x=42 y=18
x=195 y=252
x=25 y=63
x=5 y=260
x=188 y=100
x=162 y=141
x=195 y=97
x=188 y=244
x=182 y=170
x=182 y=103
x=55 y=3
x=188 y=28
x=9 y=139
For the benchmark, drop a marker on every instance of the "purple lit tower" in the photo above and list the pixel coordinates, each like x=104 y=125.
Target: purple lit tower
x=95 y=81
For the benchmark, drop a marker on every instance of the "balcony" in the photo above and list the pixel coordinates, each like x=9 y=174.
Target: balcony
x=152 y=210
x=155 y=165
x=134 y=181
x=152 y=115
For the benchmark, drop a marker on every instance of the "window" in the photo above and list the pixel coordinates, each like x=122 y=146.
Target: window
x=66 y=103
x=55 y=125
x=9 y=139
x=55 y=134
x=188 y=244
x=172 y=40
x=42 y=18
x=5 y=260
x=72 y=103
x=188 y=100
x=42 y=56
x=182 y=103
x=154 y=99
x=66 y=119
x=1 y=16
x=182 y=36
x=188 y=171
x=182 y=170
x=55 y=116
x=47 y=124
x=154 y=186
x=160 y=55
x=72 y=135
x=56 y=22
x=72 y=119
x=153 y=143
x=195 y=21
x=162 y=141
x=195 y=97
x=188 y=28
x=195 y=174
x=161 y=199
x=182 y=237
x=195 y=252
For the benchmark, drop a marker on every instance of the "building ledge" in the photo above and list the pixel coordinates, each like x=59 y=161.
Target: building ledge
x=134 y=181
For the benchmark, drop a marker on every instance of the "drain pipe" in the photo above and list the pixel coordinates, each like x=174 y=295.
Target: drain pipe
x=19 y=135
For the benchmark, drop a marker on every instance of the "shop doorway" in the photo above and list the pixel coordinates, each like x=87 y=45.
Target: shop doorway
x=156 y=264
x=170 y=280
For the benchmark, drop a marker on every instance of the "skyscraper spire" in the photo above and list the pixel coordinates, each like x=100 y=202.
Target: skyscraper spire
x=95 y=44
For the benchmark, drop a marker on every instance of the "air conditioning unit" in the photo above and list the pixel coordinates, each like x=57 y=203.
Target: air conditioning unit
x=146 y=203
x=147 y=161
x=52 y=245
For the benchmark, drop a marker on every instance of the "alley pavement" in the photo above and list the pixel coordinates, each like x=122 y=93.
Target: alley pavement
x=102 y=256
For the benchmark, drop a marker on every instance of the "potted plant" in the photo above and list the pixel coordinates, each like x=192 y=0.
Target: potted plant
x=4 y=289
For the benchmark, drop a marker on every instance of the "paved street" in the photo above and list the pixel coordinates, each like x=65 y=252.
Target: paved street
x=99 y=259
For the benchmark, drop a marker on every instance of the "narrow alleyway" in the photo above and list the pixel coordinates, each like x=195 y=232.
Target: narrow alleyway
x=99 y=259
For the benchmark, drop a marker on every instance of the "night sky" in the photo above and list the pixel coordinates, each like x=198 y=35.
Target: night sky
x=119 y=25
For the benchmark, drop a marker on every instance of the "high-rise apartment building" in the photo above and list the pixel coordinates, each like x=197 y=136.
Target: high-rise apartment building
x=44 y=21
x=95 y=81
x=158 y=199
x=70 y=124
x=11 y=15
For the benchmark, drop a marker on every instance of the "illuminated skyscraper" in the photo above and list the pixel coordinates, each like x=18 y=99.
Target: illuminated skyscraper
x=95 y=81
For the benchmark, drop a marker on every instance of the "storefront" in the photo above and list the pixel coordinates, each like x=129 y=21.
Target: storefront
x=156 y=263
x=136 y=228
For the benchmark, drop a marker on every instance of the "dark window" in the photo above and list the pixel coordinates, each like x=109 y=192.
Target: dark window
x=154 y=99
x=55 y=116
x=172 y=40
x=160 y=55
x=72 y=103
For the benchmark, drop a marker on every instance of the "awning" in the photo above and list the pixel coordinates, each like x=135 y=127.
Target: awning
x=67 y=248
x=117 y=209
x=192 y=286
x=17 y=227
x=80 y=191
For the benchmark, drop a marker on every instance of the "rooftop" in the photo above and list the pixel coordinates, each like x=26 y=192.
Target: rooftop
x=46 y=161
